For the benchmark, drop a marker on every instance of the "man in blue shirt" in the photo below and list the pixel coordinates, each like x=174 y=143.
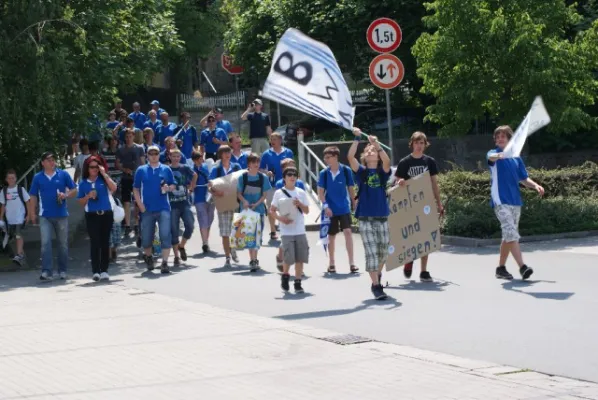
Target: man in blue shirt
x=505 y=176
x=153 y=122
x=51 y=187
x=270 y=165
x=170 y=145
x=252 y=187
x=335 y=185
x=204 y=208
x=238 y=156
x=259 y=126
x=187 y=135
x=156 y=107
x=153 y=182
x=164 y=130
x=221 y=123
x=138 y=116
x=211 y=139
x=372 y=209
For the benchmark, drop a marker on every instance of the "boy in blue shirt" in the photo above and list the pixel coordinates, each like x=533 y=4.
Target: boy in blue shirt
x=211 y=139
x=270 y=165
x=187 y=135
x=204 y=209
x=51 y=187
x=238 y=156
x=164 y=130
x=138 y=116
x=252 y=188
x=372 y=208
x=506 y=175
x=335 y=185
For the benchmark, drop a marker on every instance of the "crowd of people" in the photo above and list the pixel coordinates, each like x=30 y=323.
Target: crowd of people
x=160 y=172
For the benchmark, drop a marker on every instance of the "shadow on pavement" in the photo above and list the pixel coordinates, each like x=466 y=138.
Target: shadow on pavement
x=294 y=296
x=389 y=304
x=100 y=283
x=421 y=286
x=337 y=276
x=259 y=272
x=514 y=285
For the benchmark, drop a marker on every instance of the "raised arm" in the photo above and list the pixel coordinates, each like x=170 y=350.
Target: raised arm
x=353 y=150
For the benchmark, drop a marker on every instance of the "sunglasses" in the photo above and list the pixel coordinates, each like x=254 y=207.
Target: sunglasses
x=291 y=174
x=94 y=167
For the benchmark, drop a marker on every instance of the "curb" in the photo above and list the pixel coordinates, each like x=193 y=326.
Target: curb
x=462 y=241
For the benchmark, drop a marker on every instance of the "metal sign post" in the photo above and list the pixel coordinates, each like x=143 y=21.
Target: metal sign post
x=388 y=116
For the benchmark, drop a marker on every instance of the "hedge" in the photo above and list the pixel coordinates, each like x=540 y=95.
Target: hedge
x=570 y=203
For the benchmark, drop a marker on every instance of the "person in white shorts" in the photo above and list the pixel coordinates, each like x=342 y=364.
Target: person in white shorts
x=292 y=227
x=14 y=200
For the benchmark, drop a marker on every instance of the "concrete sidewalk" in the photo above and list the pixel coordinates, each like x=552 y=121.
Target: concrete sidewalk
x=83 y=340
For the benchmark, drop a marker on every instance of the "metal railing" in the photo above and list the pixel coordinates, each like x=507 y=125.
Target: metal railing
x=310 y=166
x=190 y=102
x=27 y=177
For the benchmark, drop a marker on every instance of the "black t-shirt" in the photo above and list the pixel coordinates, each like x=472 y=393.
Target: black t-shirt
x=257 y=125
x=410 y=167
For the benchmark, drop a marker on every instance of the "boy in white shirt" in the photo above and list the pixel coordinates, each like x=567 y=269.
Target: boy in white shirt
x=292 y=227
x=14 y=200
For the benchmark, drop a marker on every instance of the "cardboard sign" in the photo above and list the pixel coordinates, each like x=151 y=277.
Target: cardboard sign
x=413 y=222
x=228 y=185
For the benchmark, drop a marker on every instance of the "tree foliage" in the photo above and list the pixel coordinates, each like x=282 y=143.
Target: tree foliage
x=64 y=60
x=491 y=58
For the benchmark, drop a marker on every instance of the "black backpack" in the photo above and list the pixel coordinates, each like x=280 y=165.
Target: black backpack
x=259 y=182
x=20 y=189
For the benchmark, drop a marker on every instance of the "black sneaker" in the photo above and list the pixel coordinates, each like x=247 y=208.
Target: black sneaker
x=254 y=265
x=378 y=292
x=183 y=253
x=408 y=269
x=502 y=273
x=205 y=248
x=149 y=261
x=525 y=272
x=127 y=231
x=136 y=229
x=284 y=282
x=177 y=261
x=138 y=242
x=164 y=268
x=297 y=286
x=425 y=276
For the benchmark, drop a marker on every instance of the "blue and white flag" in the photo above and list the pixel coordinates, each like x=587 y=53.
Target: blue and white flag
x=536 y=119
x=305 y=76
x=324 y=227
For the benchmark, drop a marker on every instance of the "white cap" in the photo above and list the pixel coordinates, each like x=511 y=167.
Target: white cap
x=154 y=147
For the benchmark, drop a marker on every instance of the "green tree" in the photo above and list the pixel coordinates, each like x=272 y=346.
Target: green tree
x=63 y=61
x=491 y=58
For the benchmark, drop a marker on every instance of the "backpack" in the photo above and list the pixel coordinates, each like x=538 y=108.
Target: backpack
x=345 y=171
x=20 y=189
x=259 y=182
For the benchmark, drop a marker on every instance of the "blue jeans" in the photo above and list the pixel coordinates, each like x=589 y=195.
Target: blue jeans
x=148 y=229
x=178 y=211
x=59 y=226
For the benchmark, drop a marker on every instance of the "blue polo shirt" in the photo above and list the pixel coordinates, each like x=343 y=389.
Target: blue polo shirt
x=163 y=131
x=337 y=195
x=201 y=190
x=148 y=180
x=102 y=202
x=252 y=194
x=46 y=188
x=225 y=126
x=139 y=119
x=218 y=170
x=299 y=183
x=257 y=125
x=111 y=125
x=207 y=136
x=271 y=161
x=153 y=125
x=241 y=160
x=372 y=192
x=189 y=138
x=505 y=175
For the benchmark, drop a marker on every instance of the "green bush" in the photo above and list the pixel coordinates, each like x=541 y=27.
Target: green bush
x=570 y=203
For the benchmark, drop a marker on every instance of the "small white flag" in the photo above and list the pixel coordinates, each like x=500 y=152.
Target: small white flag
x=305 y=76
x=536 y=119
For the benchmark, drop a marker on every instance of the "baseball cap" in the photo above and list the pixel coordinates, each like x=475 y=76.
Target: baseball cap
x=218 y=110
x=258 y=101
x=46 y=155
x=155 y=103
x=156 y=148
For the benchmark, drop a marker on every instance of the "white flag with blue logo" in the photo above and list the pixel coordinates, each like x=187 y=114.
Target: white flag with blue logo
x=536 y=119
x=305 y=76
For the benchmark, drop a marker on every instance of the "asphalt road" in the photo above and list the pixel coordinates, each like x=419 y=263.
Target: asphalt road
x=546 y=324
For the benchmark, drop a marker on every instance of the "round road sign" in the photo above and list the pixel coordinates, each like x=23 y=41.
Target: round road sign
x=386 y=71
x=384 y=35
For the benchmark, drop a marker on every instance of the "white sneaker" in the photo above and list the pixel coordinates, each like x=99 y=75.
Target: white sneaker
x=45 y=276
x=104 y=276
x=96 y=277
x=63 y=275
x=18 y=259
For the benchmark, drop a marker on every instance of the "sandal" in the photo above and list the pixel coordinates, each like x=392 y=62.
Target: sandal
x=332 y=269
x=354 y=269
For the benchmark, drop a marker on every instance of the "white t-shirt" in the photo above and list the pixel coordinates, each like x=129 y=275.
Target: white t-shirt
x=15 y=210
x=298 y=225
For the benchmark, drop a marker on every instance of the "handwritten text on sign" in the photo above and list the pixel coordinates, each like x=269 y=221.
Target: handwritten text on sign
x=413 y=222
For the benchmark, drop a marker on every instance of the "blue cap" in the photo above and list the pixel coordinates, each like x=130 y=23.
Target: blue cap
x=155 y=102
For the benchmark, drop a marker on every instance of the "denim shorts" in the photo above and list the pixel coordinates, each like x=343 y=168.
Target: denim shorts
x=148 y=229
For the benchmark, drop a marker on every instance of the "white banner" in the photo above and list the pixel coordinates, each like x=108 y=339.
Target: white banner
x=305 y=76
x=536 y=119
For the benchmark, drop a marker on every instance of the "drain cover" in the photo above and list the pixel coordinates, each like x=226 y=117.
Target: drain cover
x=346 y=339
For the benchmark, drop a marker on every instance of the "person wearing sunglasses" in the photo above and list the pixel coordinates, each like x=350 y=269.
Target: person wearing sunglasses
x=95 y=190
x=152 y=184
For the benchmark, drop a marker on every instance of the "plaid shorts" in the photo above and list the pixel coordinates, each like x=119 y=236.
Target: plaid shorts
x=376 y=239
x=225 y=223
x=508 y=216
x=115 y=235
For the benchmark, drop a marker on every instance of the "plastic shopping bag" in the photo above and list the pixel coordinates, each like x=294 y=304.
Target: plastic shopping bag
x=247 y=230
